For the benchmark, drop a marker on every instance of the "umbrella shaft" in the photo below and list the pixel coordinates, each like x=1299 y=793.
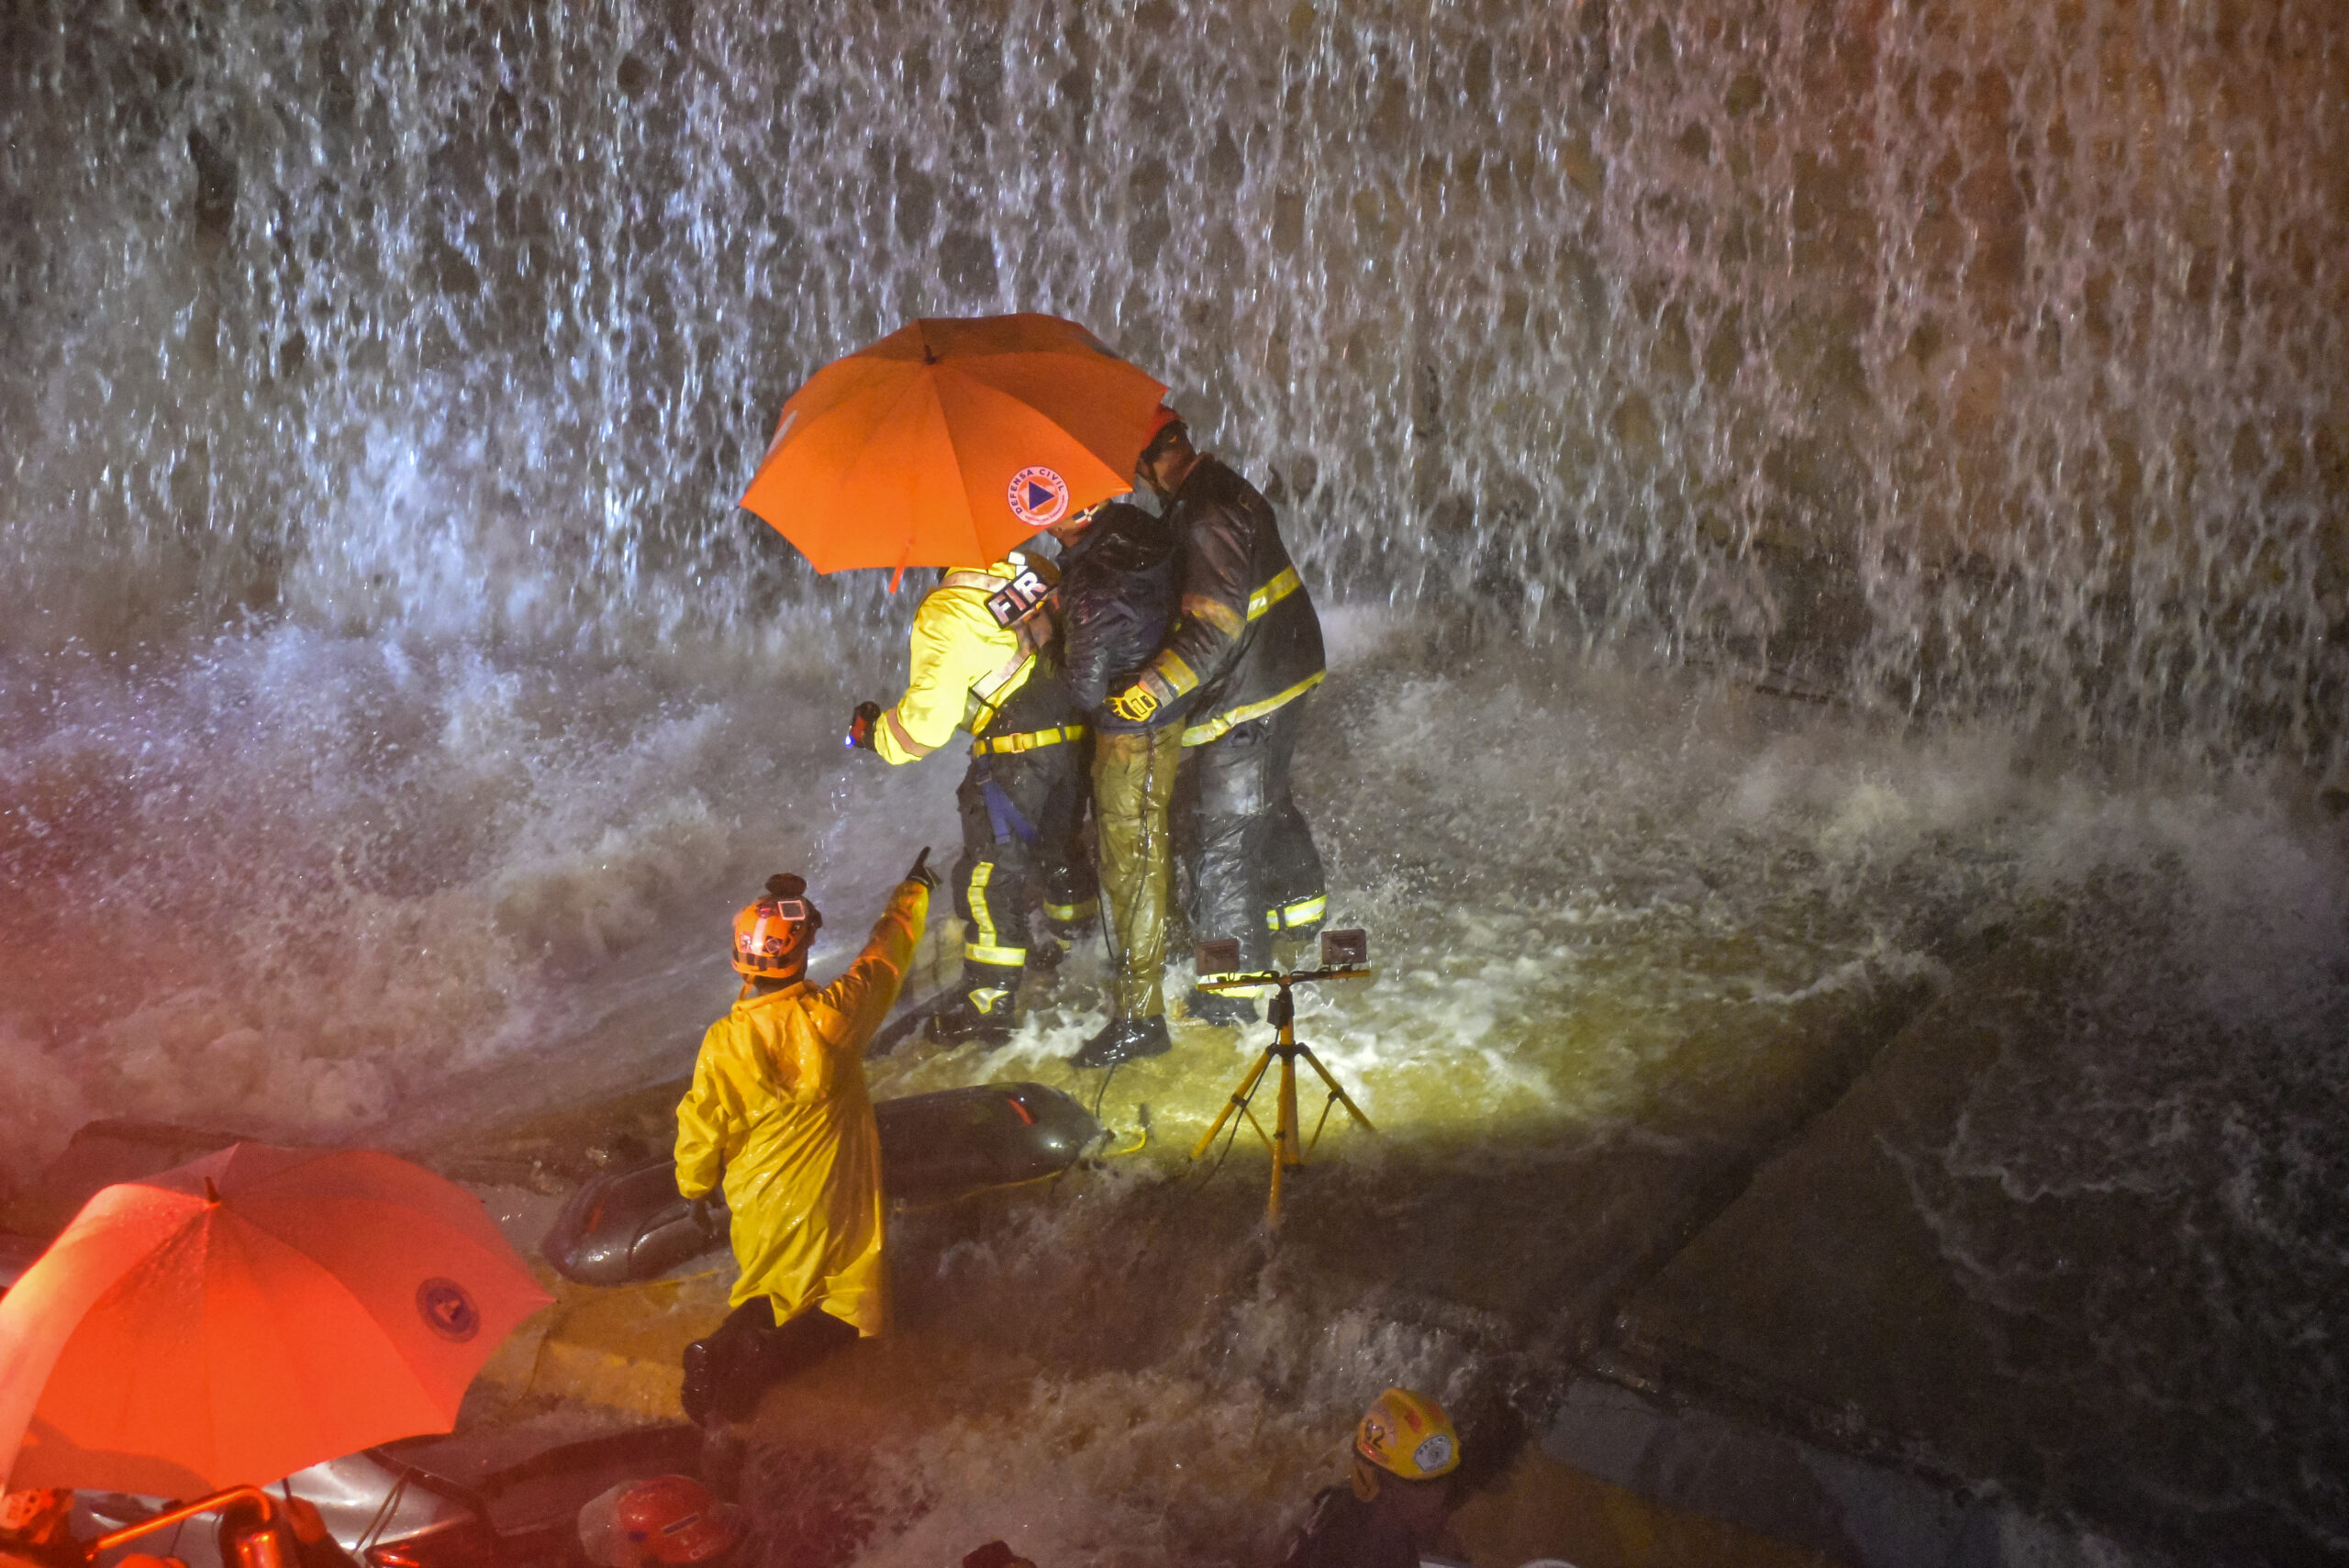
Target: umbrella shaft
x=218 y=1500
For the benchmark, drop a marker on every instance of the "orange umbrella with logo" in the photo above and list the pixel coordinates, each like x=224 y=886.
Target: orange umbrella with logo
x=950 y=441
x=248 y=1314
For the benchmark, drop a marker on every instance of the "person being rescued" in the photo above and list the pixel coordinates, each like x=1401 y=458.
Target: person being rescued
x=983 y=660
x=1396 y=1506
x=1116 y=601
x=779 y=1113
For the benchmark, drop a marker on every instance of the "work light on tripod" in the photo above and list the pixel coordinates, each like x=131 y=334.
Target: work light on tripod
x=1345 y=955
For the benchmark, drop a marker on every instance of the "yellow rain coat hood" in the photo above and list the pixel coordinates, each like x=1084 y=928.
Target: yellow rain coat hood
x=779 y=1106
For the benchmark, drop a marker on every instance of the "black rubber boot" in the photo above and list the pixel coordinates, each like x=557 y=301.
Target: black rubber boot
x=1124 y=1040
x=1222 y=1011
x=699 y=1392
x=964 y=1024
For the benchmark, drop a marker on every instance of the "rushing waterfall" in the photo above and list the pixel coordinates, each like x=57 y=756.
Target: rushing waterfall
x=392 y=702
x=1961 y=353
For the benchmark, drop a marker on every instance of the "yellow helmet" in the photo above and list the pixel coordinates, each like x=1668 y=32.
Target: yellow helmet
x=1408 y=1435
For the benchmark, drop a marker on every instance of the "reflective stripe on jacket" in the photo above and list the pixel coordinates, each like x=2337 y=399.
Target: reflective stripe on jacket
x=1247 y=641
x=966 y=667
x=780 y=1110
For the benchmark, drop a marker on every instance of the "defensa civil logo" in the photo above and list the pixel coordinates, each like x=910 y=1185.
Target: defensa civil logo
x=1039 y=496
x=447 y=1310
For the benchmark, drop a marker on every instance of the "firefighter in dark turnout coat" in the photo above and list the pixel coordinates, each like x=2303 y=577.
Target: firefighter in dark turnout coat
x=1244 y=651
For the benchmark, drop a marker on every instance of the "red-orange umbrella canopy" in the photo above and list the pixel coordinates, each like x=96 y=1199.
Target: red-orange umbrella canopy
x=248 y=1314
x=950 y=441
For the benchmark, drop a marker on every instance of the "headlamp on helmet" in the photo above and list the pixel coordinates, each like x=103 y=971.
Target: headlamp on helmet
x=772 y=935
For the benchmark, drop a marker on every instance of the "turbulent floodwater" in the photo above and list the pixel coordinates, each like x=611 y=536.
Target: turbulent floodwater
x=392 y=704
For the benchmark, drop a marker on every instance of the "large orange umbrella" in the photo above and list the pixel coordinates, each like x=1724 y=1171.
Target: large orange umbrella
x=951 y=440
x=246 y=1315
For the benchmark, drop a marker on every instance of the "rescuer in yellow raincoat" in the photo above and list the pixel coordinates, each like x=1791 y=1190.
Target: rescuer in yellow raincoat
x=983 y=660
x=779 y=1112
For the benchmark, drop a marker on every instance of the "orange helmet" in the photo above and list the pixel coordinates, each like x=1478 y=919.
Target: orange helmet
x=1408 y=1435
x=772 y=935
x=670 y=1521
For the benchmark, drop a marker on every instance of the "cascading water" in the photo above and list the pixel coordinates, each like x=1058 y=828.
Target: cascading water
x=1979 y=354
x=392 y=701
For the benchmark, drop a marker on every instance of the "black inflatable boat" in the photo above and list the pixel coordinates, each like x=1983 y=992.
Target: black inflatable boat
x=632 y=1225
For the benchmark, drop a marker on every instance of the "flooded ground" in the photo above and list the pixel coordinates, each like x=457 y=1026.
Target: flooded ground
x=1630 y=955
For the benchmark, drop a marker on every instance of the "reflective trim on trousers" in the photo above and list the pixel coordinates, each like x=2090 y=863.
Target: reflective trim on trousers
x=986 y=949
x=1213 y=728
x=1304 y=912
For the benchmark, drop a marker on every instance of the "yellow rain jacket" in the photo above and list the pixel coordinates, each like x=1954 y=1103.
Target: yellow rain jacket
x=966 y=665
x=779 y=1108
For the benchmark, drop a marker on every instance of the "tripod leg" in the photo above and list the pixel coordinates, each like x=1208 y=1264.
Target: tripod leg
x=1239 y=1100
x=1285 y=1147
x=1272 y=1203
x=1338 y=1092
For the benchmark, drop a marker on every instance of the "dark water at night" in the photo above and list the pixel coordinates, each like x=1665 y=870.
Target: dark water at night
x=392 y=704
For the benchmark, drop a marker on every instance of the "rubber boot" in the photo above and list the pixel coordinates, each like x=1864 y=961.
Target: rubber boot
x=1124 y=1040
x=964 y=1024
x=984 y=1015
x=699 y=1391
x=1215 y=1008
x=1299 y=949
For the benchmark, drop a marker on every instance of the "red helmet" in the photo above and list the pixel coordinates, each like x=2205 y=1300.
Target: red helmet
x=670 y=1521
x=1162 y=419
x=772 y=935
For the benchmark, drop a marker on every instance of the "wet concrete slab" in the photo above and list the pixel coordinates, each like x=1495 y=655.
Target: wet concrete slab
x=1886 y=1286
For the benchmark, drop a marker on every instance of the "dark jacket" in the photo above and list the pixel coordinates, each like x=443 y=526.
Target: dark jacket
x=1247 y=641
x=1116 y=599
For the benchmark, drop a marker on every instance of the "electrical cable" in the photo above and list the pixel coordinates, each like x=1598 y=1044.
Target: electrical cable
x=384 y=1513
x=1240 y=1114
x=1107 y=1079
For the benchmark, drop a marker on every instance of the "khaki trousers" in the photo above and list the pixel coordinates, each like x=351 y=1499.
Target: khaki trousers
x=1134 y=790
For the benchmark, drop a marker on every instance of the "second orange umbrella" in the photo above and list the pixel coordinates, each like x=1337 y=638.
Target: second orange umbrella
x=951 y=440
x=251 y=1313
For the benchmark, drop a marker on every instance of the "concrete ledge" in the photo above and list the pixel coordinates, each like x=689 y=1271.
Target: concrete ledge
x=622 y=1349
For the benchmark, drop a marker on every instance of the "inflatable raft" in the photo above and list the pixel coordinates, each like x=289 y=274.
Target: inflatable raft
x=629 y=1224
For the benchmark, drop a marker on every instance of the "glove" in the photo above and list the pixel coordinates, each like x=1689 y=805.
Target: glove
x=702 y=1221
x=921 y=872
x=1139 y=701
x=859 y=727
